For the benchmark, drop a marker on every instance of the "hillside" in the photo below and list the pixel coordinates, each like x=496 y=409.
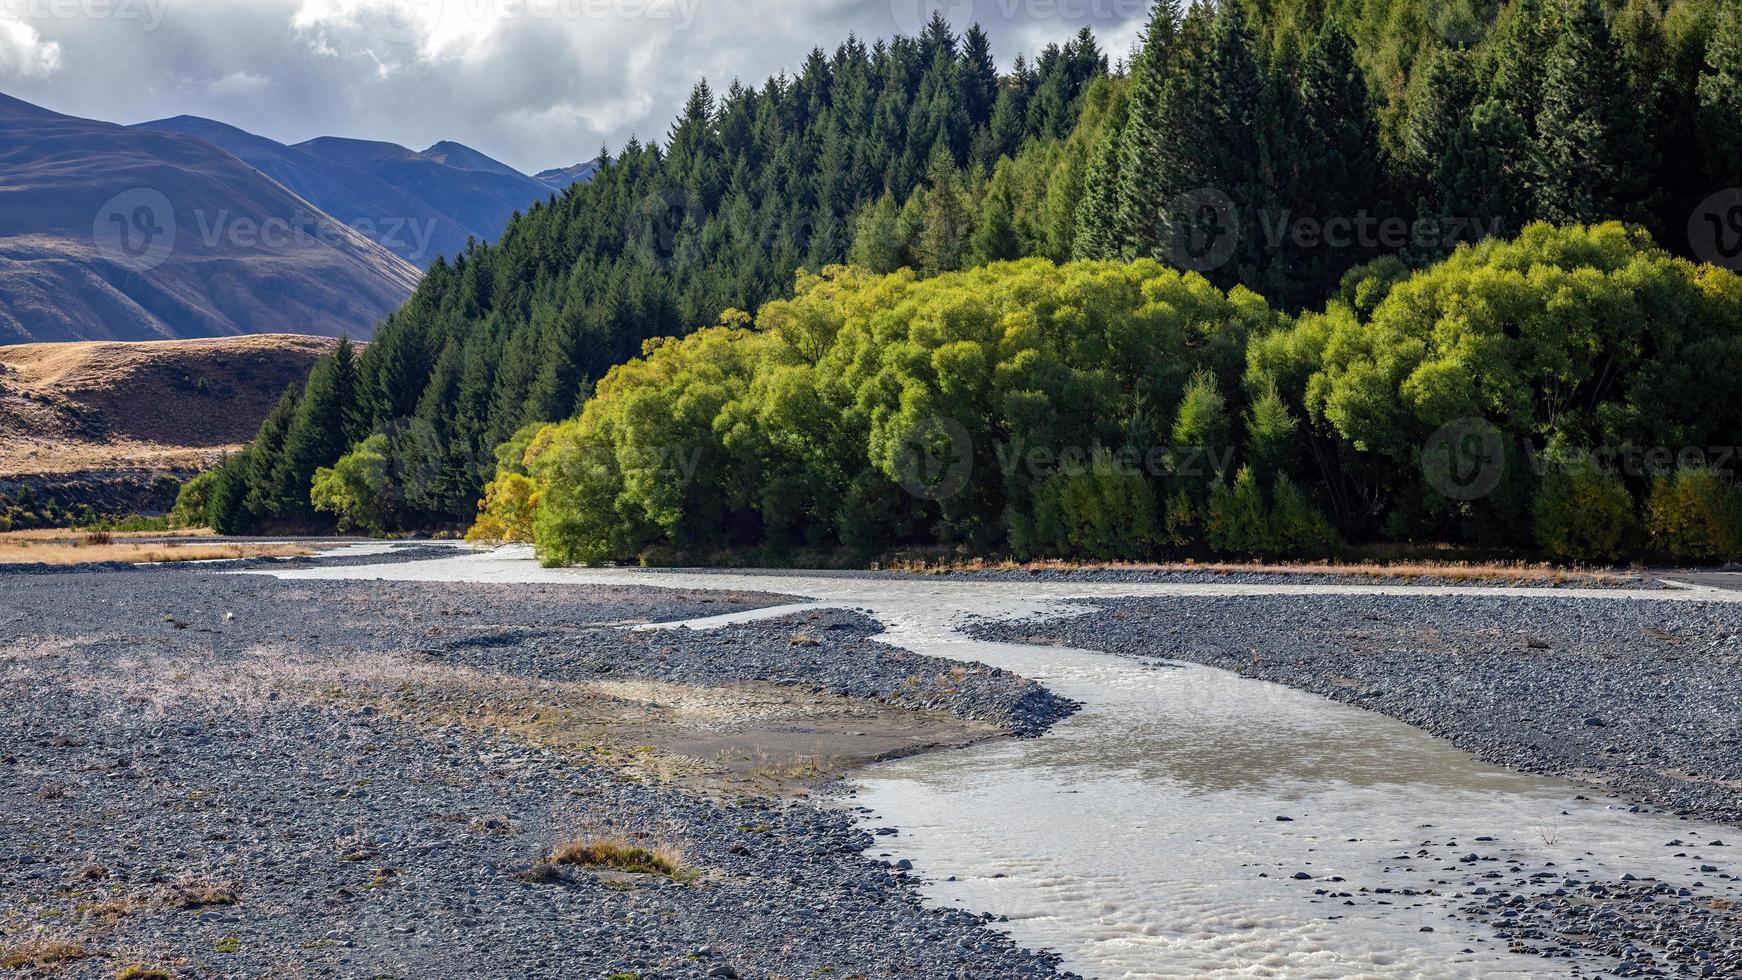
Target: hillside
x=112 y=233
x=391 y=216
x=68 y=408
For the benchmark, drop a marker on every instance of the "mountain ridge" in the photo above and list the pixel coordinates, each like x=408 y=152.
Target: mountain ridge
x=113 y=233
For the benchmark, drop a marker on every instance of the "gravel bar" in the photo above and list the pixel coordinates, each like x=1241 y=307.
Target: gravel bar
x=152 y=815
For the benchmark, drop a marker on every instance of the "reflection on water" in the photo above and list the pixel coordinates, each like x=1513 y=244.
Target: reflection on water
x=1188 y=822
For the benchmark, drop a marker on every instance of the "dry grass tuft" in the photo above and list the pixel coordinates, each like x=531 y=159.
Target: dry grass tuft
x=624 y=855
x=1455 y=571
x=197 y=892
x=139 y=971
x=101 y=546
x=41 y=953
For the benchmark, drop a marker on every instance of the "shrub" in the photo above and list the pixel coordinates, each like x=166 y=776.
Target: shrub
x=1297 y=528
x=357 y=488
x=508 y=511
x=1696 y=516
x=1241 y=521
x=621 y=854
x=1103 y=510
x=1584 y=514
x=193 y=503
x=1235 y=523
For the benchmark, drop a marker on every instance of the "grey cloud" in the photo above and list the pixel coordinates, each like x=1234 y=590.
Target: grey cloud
x=536 y=83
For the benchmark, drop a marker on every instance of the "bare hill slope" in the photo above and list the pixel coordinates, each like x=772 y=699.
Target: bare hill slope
x=68 y=408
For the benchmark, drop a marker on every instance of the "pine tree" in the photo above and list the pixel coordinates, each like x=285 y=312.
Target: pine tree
x=978 y=78
x=949 y=224
x=1589 y=162
x=1142 y=140
x=1097 y=230
x=1720 y=101
x=995 y=236
x=1516 y=57
x=1483 y=178
x=1322 y=139
x=1442 y=96
x=878 y=244
x=320 y=431
x=260 y=495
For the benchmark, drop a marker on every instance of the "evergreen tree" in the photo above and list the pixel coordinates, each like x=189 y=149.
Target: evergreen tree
x=1516 y=58
x=1142 y=141
x=261 y=495
x=878 y=244
x=995 y=233
x=1097 y=224
x=320 y=431
x=1719 y=96
x=1483 y=178
x=949 y=224
x=1334 y=170
x=1590 y=163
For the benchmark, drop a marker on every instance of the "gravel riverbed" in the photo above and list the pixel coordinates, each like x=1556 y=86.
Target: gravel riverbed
x=219 y=775
x=1643 y=699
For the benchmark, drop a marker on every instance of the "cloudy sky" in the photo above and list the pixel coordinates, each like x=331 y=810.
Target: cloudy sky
x=535 y=83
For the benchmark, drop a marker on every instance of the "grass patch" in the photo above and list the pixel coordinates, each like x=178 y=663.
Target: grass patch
x=139 y=971
x=1457 y=571
x=41 y=953
x=623 y=855
x=30 y=548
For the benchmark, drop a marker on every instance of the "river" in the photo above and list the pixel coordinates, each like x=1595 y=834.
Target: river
x=1189 y=822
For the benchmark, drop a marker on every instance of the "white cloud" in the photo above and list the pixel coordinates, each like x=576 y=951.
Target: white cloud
x=23 y=52
x=238 y=83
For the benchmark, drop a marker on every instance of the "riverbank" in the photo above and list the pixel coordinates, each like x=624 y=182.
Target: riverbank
x=221 y=775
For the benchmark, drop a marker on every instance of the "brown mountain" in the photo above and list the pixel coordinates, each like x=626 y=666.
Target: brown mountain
x=114 y=233
x=82 y=407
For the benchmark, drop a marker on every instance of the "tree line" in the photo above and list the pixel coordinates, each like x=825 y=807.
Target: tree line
x=1108 y=409
x=1288 y=147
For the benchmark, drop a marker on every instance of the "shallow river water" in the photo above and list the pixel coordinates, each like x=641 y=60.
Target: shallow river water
x=1162 y=830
